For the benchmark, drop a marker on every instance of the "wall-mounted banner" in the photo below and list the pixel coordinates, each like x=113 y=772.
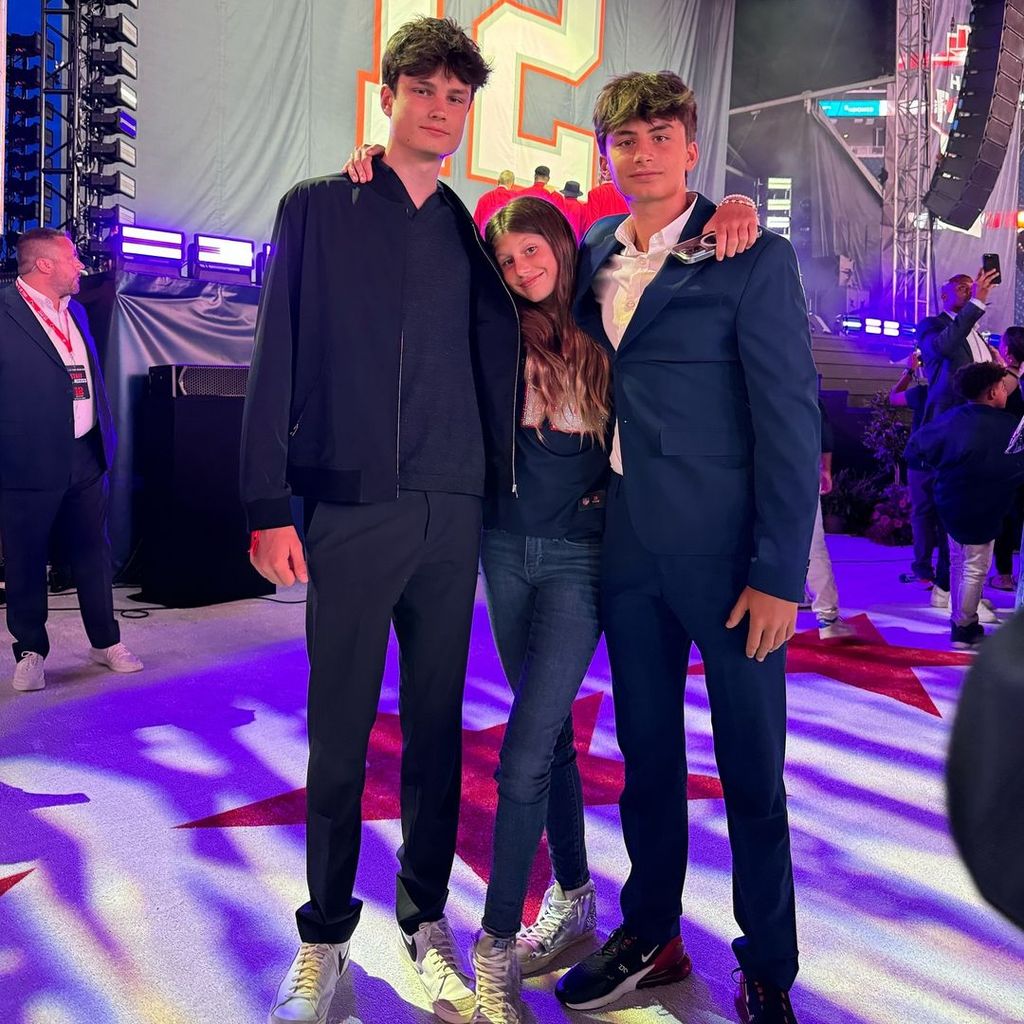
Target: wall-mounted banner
x=236 y=106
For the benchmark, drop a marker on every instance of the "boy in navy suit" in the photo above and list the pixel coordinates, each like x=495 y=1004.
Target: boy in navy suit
x=710 y=511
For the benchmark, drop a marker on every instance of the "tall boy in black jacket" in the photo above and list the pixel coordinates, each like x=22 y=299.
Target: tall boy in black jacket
x=974 y=486
x=382 y=391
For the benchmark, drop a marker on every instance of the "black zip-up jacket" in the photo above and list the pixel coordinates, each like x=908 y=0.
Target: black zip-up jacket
x=322 y=404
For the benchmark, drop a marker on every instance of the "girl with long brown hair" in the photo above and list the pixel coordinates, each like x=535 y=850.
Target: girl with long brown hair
x=541 y=558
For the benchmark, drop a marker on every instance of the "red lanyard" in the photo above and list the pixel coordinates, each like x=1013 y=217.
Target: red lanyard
x=65 y=336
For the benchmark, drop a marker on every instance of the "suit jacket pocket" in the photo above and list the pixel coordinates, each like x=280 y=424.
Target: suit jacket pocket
x=719 y=445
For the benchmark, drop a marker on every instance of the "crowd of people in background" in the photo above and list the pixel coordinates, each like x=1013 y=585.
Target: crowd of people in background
x=581 y=211
x=965 y=468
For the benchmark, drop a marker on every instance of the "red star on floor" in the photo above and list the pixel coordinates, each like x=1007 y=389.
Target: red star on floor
x=602 y=784
x=8 y=883
x=868 y=661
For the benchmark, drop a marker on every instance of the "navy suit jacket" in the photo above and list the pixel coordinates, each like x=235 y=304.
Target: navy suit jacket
x=716 y=397
x=37 y=422
x=944 y=349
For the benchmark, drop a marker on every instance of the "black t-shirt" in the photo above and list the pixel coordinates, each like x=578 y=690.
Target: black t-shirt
x=441 y=446
x=561 y=479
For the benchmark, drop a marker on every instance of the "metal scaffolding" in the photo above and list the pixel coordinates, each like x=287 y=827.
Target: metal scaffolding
x=70 y=100
x=912 y=162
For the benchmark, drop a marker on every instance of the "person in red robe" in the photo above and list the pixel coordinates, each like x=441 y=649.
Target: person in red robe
x=491 y=202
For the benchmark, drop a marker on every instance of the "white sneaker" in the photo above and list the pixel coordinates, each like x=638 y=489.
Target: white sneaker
x=564 y=920
x=431 y=951
x=939 y=598
x=28 y=672
x=498 y=981
x=987 y=612
x=117 y=658
x=307 y=990
x=829 y=629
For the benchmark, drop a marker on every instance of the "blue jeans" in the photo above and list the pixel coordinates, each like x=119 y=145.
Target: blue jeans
x=542 y=597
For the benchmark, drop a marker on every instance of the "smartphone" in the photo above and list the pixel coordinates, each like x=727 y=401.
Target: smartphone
x=700 y=248
x=990 y=261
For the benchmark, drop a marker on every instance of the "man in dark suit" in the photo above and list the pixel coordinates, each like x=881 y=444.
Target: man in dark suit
x=947 y=341
x=56 y=447
x=710 y=513
x=951 y=339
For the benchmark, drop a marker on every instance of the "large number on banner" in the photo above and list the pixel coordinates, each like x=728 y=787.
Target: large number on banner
x=388 y=16
x=566 y=46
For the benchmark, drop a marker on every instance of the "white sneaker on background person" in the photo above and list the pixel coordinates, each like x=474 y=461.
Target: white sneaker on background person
x=987 y=612
x=498 y=981
x=117 y=658
x=939 y=597
x=431 y=951
x=831 y=628
x=307 y=990
x=565 y=918
x=28 y=672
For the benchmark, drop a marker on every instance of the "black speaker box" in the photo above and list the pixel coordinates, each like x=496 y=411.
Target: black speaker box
x=195 y=547
x=985 y=110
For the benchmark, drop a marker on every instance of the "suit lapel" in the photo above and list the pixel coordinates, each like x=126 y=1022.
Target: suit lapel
x=672 y=276
x=26 y=319
x=586 y=309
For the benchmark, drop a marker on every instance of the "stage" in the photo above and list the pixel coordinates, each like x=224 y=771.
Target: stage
x=151 y=856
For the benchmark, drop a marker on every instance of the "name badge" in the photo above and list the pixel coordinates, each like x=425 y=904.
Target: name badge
x=79 y=382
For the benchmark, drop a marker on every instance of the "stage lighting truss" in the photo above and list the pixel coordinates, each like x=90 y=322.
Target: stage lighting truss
x=116 y=184
x=114 y=62
x=23 y=136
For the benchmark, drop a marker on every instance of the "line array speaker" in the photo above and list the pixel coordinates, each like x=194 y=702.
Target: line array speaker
x=985 y=110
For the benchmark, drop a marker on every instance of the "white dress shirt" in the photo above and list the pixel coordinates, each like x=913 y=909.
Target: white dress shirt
x=84 y=409
x=621 y=281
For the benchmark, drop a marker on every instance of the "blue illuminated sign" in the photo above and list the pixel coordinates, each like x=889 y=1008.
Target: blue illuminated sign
x=853 y=108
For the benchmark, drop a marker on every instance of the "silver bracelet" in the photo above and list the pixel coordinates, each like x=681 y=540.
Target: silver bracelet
x=738 y=197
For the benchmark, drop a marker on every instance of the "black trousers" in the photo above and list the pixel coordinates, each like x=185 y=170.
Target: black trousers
x=1008 y=540
x=653 y=608
x=412 y=564
x=77 y=517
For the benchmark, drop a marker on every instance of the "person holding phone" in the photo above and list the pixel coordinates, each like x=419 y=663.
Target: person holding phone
x=951 y=339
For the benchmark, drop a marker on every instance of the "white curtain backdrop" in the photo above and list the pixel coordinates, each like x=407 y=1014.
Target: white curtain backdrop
x=239 y=99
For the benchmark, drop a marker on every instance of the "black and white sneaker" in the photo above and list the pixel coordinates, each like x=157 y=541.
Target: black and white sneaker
x=305 y=995
x=761 y=1003
x=622 y=965
x=433 y=956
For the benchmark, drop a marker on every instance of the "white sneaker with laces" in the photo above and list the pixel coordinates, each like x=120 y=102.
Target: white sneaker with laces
x=987 y=612
x=939 y=598
x=564 y=920
x=28 y=672
x=830 y=629
x=307 y=990
x=431 y=951
x=117 y=658
x=498 y=981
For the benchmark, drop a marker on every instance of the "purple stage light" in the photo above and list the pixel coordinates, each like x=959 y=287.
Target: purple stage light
x=153 y=245
x=262 y=259
x=213 y=251
x=216 y=258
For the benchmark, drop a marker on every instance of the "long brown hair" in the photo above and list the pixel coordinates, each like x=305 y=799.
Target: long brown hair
x=564 y=365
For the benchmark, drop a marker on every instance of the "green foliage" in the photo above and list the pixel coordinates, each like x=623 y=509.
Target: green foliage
x=885 y=435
